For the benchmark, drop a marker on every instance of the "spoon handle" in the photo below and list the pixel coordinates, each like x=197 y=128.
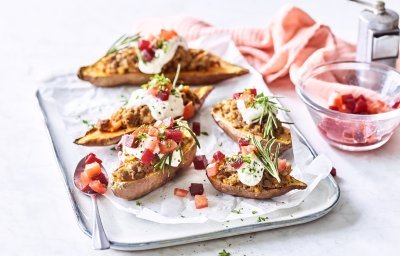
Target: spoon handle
x=99 y=238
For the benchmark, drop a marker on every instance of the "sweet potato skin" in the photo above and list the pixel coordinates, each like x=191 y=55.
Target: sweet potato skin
x=138 y=188
x=95 y=137
x=211 y=76
x=264 y=194
x=236 y=134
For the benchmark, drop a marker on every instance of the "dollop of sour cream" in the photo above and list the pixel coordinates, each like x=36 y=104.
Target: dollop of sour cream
x=138 y=153
x=173 y=107
x=250 y=174
x=249 y=114
x=162 y=56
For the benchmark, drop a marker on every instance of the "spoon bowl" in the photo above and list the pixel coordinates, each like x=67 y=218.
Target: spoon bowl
x=99 y=238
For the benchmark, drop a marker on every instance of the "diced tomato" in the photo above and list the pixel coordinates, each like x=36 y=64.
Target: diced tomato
x=174 y=134
x=92 y=158
x=237 y=163
x=147 y=157
x=102 y=178
x=200 y=162
x=167 y=34
x=219 y=156
x=212 y=169
x=168 y=146
x=188 y=110
x=151 y=143
x=92 y=169
x=143 y=44
x=140 y=130
x=236 y=95
x=247 y=97
x=153 y=91
x=247 y=150
x=163 y=95
x=153 y=131
x=200 y=201
x=282 y=163
x=244 y=142
x=335 y=101
x=334 y=108
x=349 y=102
x=361 y=106
x=98 y=187
x=168 y=122
x=84 y=179
x=180 y=192
x=196 y=128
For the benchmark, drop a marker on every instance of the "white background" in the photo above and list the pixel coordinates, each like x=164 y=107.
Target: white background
x=38 y=38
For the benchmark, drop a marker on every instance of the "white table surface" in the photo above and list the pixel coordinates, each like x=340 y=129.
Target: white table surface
x=38 y=38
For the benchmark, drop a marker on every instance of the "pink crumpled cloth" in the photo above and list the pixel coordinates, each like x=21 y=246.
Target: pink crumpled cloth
x=291 y=43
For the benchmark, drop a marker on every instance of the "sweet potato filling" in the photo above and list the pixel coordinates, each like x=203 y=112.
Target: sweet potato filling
x=229 y=111
x=136 y=116
x=126 y=61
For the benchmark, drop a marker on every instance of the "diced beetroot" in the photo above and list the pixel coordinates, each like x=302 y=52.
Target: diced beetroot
x=200 y=162
x=244 y=142
x=147 y=54
x=180 y=192
x=237 y=95
x=333 y=172
x=196 y=189
x=219 y=156
x=200 y=201
x=253 y=91
x=143 y=44
x=237 y=163
x=91 y=158
x=212 y=169
x=396 y=104
x=361 y=106
x=349 y=102
x=174 y=134
x=163 y=95
x=334 y=108
x=102 y=178
x=85 y=189
x=147 y=157
x=196 y=128
x=168 y=122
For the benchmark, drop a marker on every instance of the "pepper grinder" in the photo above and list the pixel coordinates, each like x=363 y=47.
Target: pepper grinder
x=378 y=34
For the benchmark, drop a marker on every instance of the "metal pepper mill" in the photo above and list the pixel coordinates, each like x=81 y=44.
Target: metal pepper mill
x=378 y=34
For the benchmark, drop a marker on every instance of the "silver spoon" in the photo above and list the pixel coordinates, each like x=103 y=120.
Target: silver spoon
x=99 y=238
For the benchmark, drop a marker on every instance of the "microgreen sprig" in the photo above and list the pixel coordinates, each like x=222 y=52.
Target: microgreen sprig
x=264 y=155
x=123 y=42
x=269 y=110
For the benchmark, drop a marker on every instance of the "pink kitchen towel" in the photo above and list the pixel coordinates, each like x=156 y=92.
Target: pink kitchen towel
x=290 y=43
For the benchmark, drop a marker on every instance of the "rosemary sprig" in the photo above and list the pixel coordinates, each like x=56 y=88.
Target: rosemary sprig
x=123 y=42
x=178 y=69
x=264 y=155
x=270 y=110
x=161 y=164
x=180 y=126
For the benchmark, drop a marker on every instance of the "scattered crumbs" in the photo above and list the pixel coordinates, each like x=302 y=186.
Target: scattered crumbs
x=254 y=212
x=138 y=203
x=113 y=149
x=182 y=216
x=204 y=133
x=227 y=220
x=238 y=211
x=220 y=144
x=260 y=219
x=291 y=215
x=87 y=123
x=229 y=245
x=241 y=219
x=224 y=253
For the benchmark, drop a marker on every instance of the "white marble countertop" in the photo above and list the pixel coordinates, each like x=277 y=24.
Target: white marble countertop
x=44 y=37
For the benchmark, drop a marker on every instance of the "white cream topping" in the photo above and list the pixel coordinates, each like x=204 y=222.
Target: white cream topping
x=162 y=56
x=173 y=107
x=249 y=114
x=250 y=174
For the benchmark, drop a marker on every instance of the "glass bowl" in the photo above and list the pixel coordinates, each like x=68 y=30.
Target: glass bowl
x=353 y=132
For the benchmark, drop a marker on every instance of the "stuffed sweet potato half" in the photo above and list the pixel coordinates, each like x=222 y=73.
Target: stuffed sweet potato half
x=151 y=156
x=156 y=100
x=252 y=114
x=133 y=60
x=252 y=173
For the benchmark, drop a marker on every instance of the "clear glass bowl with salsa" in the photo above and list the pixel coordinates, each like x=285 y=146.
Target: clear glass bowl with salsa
x=355 y=105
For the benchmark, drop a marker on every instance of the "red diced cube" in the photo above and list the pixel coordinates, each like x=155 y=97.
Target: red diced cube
x=200 y=162
x=196 y=128
x=219 y=156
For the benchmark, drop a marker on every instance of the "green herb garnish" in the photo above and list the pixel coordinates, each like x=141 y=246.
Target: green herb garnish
x=88 y=124
x=254 y=212
x=238 y=211
x=204 y=133
x=138 y=203
x=260 y=219
x=224 y=253
x=264 y=155
x=123 y=42
x=269 y=110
